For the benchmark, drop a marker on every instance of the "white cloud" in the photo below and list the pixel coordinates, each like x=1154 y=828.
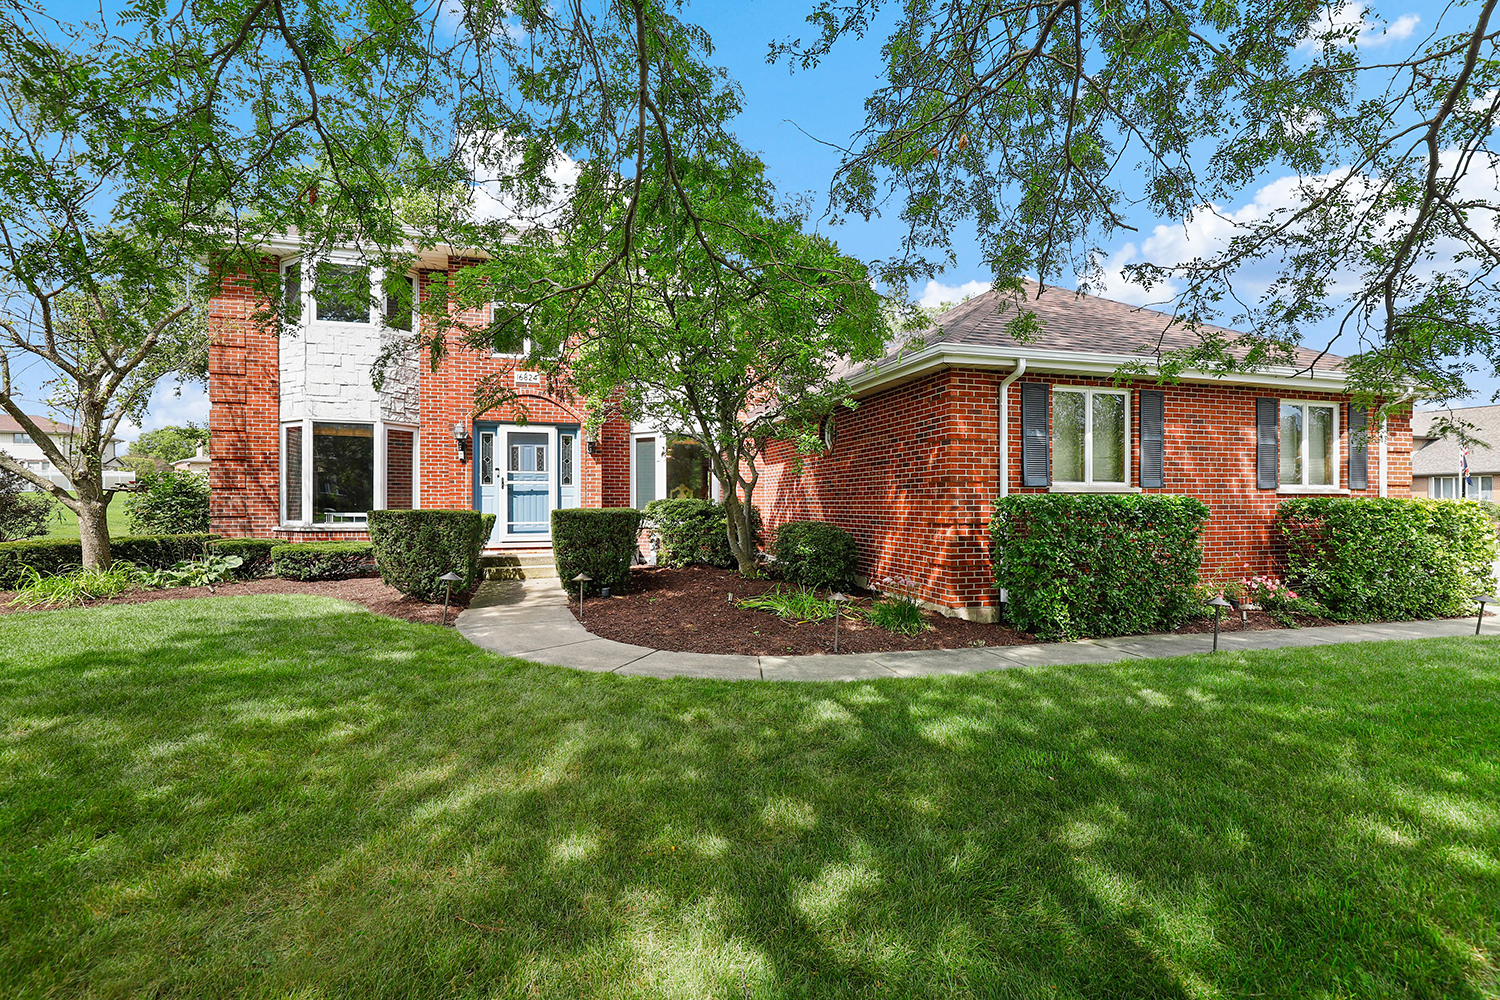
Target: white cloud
x=168 y=407
x=489 y=160
x=1346 y=24
x=936 y=293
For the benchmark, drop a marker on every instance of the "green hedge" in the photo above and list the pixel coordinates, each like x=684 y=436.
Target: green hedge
x=1388 y=559
x=415 y=547
x=690 y=531
x=1078 y=564
x=50 y=556
x=321 y=560
x=254 y=553
x=598 y=541
x=486 y=528
x=815 y=554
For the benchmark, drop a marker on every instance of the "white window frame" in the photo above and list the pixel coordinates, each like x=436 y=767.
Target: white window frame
x=525 y=341
x=306 y=427
x=660 y=472
x=1088 y=482
x=1338 y=448
x=1460 y=487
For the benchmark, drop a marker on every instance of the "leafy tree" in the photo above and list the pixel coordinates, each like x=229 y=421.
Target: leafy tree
x=134 y=150
x=170 y=444
x=733 y=332
x=1040 y=122
x=24 y=513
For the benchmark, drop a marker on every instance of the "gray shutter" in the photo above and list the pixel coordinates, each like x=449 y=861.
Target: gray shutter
x=1036 y=457
x=1267 y=457
x=1152 y=421
x=1359 y=451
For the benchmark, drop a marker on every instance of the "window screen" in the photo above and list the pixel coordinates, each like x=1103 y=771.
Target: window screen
x=291 y=485
x=645 y=471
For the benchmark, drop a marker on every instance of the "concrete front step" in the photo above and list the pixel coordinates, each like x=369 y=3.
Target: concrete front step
x=518 y=564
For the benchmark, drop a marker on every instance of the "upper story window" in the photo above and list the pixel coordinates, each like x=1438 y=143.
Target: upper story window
x=508 y=332
x=23 y=439
x=342 y=293
x=1090 y=436
x=291 y=292
x=400 y=302
x=1309 y=444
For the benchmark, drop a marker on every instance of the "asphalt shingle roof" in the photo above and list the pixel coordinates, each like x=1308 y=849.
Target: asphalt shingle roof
x=1442 y=456
x=1073 y=322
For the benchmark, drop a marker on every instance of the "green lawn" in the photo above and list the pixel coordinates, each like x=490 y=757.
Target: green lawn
x=65 y=522
x=287 y=796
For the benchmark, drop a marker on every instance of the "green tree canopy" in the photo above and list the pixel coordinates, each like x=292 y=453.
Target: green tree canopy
x=171 y=443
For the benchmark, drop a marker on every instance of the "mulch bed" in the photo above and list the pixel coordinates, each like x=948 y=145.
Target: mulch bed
x=689 y=610
x=368 y=591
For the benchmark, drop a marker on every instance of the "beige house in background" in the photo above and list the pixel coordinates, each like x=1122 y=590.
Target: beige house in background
x=197 y=462
x=16 y=443
x=1437 y=463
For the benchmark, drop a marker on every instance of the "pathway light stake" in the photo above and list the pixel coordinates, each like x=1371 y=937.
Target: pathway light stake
x=1484 y=599
x=449 y=579
x=581 y=579
x=838 y=600
x=1218 y=604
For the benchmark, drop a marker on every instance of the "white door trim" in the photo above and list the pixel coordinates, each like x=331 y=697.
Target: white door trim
x=502 y=474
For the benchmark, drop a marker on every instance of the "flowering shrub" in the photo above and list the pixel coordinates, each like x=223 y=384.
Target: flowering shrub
x=899 y=611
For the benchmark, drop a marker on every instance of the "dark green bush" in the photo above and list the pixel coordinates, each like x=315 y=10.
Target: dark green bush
x=254 y=553
x=815 y=554
x=1076 y=564
x=690 y=531
x=24 y=512
x=1388 y=559
x=321 y=560
x=598 y=541
x=486 y=528
x=415 y=547
x=49 y=556
x=168 y=503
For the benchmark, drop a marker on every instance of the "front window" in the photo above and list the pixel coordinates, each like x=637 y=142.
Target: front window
x=645 y=471
x=687 y=470
x=1089 y=436
x=508 y=332
x=291 y=472
x=343 y=471
x=1309 y=444
x=343 y=293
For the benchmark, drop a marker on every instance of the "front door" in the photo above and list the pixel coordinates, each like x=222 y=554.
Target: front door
x=528 y=483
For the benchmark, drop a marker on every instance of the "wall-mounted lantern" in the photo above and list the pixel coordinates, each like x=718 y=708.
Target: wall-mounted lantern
x=461 y=438
x=591 y=440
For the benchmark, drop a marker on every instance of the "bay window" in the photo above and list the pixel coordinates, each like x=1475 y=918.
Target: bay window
x=343 y=471
x=1309 y=444
x=1090 y=436
x=342 y=293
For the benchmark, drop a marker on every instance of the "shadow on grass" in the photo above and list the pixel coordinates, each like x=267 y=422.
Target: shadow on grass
x=283 y=795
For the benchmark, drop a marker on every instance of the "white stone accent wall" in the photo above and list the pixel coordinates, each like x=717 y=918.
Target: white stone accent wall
x=400 y=402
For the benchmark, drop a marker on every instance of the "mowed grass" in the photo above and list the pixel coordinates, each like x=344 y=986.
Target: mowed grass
x=290 y=797
x=64 y=523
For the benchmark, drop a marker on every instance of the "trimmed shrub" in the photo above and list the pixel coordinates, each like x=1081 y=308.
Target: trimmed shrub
x=599 y=541
x=254 y=553
x=1388 y=559
x=486 y=528
x=816 y=554
x=1079 y=564
x=168 y=503
x=690 y=531
x=415 y=547
x=321 y=560
x=50 y=556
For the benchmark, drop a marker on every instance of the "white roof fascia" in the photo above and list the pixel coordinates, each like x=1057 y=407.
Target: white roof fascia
x=1084 y=363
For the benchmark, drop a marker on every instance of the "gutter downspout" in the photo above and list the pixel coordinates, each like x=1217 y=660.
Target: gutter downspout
x=1005 y=438
x=1005 y=425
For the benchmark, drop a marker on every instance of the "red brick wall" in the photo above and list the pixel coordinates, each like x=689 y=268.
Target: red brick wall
x=243 y=414
x=914 y=471
x=398 y=451
x=245 y=418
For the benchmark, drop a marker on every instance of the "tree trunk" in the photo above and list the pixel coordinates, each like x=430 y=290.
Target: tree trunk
x=93 y=532
x=740 y=528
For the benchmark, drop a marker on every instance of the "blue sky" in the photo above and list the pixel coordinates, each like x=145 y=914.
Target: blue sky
x=787 y=114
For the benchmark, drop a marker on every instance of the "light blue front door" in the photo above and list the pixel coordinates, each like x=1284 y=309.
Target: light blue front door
x=528 y=483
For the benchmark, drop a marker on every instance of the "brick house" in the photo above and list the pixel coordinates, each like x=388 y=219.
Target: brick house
x=303 y=445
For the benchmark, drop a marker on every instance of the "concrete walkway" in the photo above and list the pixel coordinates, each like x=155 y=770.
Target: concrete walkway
x=531 y=619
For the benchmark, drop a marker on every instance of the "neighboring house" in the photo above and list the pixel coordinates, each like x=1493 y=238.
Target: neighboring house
x=197 y=462
x=302 y=444
x=1437 y=462
x=18 y=444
